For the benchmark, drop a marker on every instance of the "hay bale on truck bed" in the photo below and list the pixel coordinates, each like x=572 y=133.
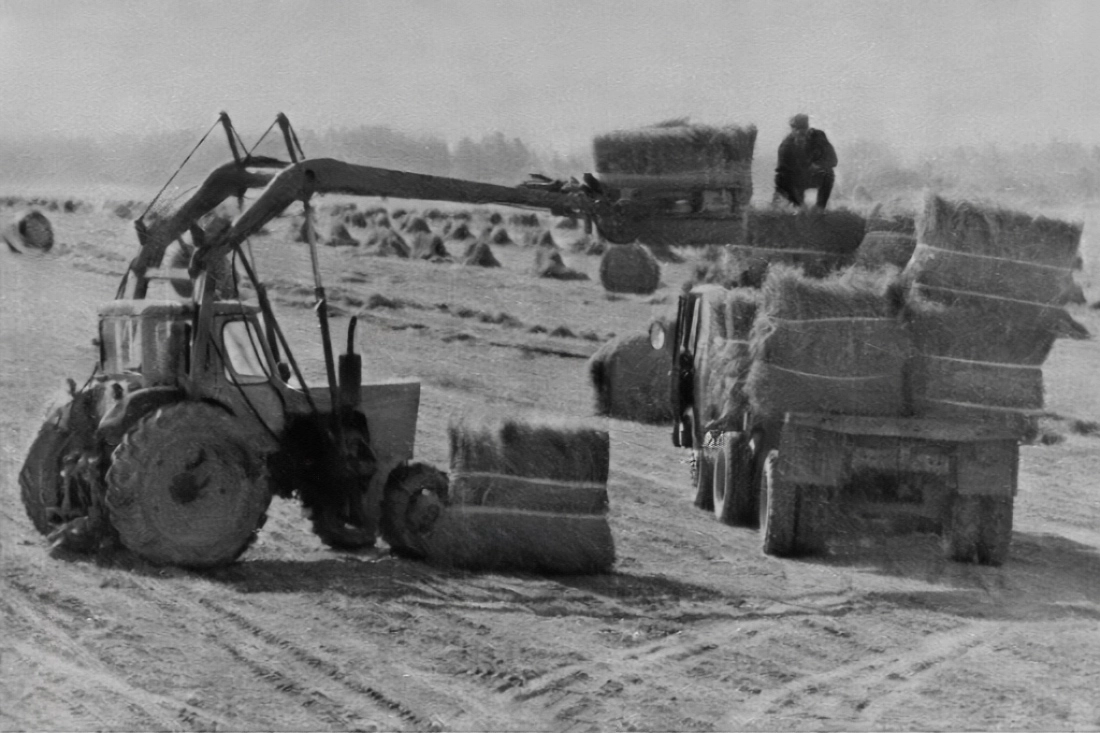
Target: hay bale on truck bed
x=885 y=249
x=832 y=345
x=629 y=268
x=821 y=242
x=723 y=356
x=676 y=154
x=525 y=494
x=632 y=381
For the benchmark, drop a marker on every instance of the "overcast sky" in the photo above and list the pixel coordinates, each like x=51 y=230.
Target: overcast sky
x=555 y=72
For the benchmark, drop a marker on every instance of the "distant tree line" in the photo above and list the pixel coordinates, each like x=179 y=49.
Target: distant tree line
x=150 y=159
x=1049 y=174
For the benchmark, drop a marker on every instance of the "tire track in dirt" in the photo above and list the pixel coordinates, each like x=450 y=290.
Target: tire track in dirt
x=57 y=652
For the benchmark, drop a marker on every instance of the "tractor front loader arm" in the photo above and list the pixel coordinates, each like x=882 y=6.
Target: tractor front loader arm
x=326 y=175
x=226 y=181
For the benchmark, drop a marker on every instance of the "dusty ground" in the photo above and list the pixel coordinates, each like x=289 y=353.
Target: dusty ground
x=695 y=630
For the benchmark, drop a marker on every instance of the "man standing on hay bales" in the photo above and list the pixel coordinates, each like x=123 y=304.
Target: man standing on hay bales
x=806 y=160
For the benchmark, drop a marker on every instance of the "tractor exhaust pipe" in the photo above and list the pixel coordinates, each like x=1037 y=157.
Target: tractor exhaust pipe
x=350 y=370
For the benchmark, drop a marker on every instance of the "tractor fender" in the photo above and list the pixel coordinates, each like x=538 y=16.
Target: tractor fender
x=131 y=407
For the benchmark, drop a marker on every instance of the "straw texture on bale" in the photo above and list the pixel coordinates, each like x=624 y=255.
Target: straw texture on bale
x=828 y=346
x=1003 y=333
x=427 y=246
x=676 y=153
x=339 y=236
x=970 y=228
x=989 y=384
x=525 y=494
x=550 y=447
x=30 y=231
x=629 y=268
x=722 y=356
x=479 y=254
x=944 y=274
x=417 y=224
x=632 y=381
x=384 y=242
x=885 y=249
x=836 y=231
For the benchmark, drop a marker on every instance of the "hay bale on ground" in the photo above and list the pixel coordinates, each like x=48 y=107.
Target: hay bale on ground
x=31 y=232
x=386 y=243
x=629 y=268
x=631 y=380
x=525 y=494
x=339 y=236
x=479 y=254
x=723 y=356
x=832 y=345
x=885 y=249
x=427 y=247
x=549 y=264
x=500 y=236
x=460 y=232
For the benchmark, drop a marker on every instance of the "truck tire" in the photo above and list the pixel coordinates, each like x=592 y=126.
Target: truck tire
x=734 y=495
x=414 y=497
x=995 y=533
x=702 y=473
x=778 y=511
x=187 y=488
x=813 y=523
x=962 y=534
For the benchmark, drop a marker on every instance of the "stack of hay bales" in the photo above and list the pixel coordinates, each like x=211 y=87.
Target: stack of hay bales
x=678 y=155
x=525 y=494
x=629 y=268
x=984 y=307
x=723 y=356
x=631 y=380
x=833 y=346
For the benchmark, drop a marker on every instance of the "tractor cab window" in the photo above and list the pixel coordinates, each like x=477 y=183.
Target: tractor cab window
x=121 y=345
x=244 y=353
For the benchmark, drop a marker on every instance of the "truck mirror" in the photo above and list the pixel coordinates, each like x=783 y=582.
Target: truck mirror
x=657 y=335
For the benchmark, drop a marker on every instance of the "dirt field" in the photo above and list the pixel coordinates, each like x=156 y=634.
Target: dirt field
x=695 y=630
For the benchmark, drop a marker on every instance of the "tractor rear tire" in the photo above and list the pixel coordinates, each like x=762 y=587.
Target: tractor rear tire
x=735 y=495
x=186 y=487
x=40 y=482
x=778 y=507
x=414 y=497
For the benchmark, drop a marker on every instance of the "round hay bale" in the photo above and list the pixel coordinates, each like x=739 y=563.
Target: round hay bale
x=417 y=224
x=629 y=268
x=885 y=248
x=387 y=243
x=30 y=233
x=427 y=246
x=632 y=381
x=500 y=236
x=479 y=254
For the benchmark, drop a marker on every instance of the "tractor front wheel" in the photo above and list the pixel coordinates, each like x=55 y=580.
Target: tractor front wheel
x=186 y=487
x=415 y=496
